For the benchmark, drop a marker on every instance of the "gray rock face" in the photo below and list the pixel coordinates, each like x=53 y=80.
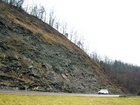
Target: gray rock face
x=29 y=62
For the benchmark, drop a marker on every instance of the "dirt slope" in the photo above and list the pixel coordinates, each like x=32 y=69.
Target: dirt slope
x=35 y=56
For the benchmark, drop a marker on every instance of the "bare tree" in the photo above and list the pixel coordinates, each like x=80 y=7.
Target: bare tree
x=64 y=28
x=38 y=12
x=80 y=44
x=34 y=11
x=95 y=56
x=71 y=34
x=75 y=37
x=41 y=13
x=57 y=26
x=17 y=3
x=51 y=18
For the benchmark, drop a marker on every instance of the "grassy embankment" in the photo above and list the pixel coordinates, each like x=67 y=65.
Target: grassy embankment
x=6 y=99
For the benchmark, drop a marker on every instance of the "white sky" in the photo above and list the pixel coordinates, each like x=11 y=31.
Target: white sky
x=110 y=27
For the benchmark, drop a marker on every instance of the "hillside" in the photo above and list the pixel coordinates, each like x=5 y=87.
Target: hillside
x=35 y=56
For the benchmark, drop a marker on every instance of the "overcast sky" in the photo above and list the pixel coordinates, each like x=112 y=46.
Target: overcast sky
x=110 y=27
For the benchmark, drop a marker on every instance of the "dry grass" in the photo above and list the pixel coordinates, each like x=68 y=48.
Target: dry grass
x=6 y=99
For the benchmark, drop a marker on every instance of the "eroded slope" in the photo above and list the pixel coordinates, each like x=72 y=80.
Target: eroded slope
x=35 y=56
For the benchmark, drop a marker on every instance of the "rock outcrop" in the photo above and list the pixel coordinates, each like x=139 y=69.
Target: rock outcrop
x=34 y=56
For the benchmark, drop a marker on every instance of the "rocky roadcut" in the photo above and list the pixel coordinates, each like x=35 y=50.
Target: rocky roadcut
x=35 y=56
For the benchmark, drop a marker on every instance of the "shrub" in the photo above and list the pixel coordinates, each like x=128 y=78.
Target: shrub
x=139 y=92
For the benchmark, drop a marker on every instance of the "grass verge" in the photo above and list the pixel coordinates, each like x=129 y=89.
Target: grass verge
x=8 y=99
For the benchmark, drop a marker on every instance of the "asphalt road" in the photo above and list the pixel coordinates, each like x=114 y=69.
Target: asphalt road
x=53 y=94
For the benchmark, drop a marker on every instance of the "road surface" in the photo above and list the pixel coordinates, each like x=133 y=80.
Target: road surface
x=52 y=94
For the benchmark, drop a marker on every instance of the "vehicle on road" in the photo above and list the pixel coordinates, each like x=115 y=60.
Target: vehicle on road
x=103 y=91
